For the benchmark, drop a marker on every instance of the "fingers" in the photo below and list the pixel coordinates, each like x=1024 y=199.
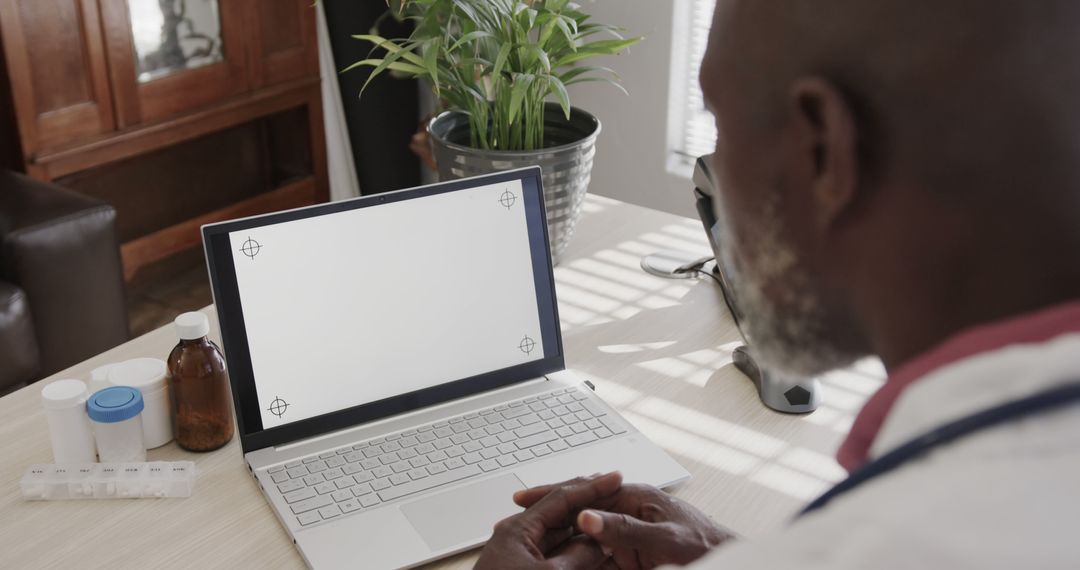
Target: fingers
x=554 y=538
x=556 y=512
x=615 y=531
x=528 y=497
x=578 y=552
x=559 y=507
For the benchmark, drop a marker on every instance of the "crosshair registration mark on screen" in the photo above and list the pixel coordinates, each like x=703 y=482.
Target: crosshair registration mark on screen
x=527 y=345
x=508 y=199
x=250 y=248
x=278 y=407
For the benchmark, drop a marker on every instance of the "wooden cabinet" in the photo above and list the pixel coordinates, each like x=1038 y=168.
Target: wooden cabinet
x=278 y=47
x=111 y=97
x=56 y=60
x=142 y=95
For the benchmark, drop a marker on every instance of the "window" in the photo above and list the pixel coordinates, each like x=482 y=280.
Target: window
x=691 y=130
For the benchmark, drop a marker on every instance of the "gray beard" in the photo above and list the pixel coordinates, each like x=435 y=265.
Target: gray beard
x=786 y=323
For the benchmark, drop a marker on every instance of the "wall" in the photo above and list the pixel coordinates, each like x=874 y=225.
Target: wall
x=631 y=158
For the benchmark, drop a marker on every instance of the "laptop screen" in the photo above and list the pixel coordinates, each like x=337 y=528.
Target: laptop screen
x=400 y=295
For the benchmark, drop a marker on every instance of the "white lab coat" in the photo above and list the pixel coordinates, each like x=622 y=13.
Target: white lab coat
x=1006 y=497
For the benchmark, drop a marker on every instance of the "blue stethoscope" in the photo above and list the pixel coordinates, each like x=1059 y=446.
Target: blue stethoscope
x=1032 y=405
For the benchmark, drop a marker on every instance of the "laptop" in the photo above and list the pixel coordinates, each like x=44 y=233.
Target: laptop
x=397 y=369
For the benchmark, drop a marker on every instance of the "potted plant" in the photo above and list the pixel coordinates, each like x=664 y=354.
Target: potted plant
x=500 y=71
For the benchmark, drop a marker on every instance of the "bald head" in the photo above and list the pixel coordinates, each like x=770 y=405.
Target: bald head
x=944 y=91
x=905 y=151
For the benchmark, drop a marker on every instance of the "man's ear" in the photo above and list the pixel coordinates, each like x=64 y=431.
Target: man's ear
x=826 y=136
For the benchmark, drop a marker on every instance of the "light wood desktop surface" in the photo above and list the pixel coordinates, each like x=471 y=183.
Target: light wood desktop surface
x=656 y=349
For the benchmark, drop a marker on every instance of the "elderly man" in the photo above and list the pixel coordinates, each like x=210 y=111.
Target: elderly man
x=898 y=179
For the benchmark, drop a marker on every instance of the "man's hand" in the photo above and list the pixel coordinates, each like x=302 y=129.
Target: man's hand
x=641 y=526
x=542 y=537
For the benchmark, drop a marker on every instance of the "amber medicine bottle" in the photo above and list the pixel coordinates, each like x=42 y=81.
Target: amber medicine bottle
x=199 y=384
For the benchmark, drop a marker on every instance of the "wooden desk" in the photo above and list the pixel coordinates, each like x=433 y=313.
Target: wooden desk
x=659 y=350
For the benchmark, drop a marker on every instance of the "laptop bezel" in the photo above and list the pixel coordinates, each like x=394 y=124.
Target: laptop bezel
x=234 y=335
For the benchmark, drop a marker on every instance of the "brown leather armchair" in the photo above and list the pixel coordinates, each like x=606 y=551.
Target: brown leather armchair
x=61 y=284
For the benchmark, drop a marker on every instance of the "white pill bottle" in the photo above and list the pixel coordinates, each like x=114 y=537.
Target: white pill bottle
x=69 y=428
x=151 y=378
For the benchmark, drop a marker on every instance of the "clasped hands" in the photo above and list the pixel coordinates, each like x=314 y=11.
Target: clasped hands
x=597 y=522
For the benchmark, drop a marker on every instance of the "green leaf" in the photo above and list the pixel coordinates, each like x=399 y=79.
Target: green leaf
x=556 y=5
x=544 y=18
x=455 y=99
x=610 y=47
x=581 y=70
x=500 y=60
x=470 y=37
x=546 y=30
x=527 y=18
x=536 y=55
x=397 y=66
x=467 y=10
x=383 y=64
x=559 y=90
x=475 y=94
x=522 y=81
x=566 y=34
x=607 y=80
x=571 y=23
x=467 y=62
x=587 y=30
x=593 y=49
x=431 y=54
x=574 y=11
x=390 y=46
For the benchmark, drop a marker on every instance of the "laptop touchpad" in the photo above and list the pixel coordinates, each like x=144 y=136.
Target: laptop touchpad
x=465 y=514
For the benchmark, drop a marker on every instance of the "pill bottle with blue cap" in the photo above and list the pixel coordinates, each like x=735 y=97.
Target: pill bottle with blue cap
x=116 y=414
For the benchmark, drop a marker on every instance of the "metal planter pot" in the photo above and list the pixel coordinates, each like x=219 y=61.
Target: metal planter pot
x=566 y=162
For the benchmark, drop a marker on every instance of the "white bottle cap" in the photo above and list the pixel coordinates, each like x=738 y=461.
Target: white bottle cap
x=99 y=377
x=63 y=394
x=148 y=375
x=192 y=326
x=101 y=373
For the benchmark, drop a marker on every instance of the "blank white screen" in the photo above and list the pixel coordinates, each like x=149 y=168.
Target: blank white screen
x=353 y=307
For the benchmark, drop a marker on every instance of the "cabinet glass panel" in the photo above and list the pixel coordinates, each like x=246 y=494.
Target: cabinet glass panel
x=174 y=35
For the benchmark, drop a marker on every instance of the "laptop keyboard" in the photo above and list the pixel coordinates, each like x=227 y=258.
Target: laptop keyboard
x=384 y=469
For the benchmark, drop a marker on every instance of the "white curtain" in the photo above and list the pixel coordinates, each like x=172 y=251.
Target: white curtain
x=339 y=157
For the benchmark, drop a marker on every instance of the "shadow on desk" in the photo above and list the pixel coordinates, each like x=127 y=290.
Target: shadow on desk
x=660 y=351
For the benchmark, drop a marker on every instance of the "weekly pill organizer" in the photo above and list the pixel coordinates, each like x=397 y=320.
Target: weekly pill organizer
x=64 y=481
